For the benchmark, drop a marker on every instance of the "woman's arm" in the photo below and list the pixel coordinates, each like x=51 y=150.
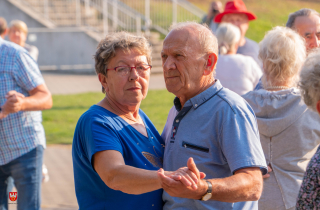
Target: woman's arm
x=110 y=166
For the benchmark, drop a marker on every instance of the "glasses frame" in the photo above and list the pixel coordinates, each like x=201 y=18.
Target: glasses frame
x=134 y=67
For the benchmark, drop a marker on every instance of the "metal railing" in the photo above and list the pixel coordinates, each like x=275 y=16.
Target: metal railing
x=104 y=16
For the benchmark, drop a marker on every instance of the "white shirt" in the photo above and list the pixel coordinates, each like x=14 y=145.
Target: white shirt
x=238 y=73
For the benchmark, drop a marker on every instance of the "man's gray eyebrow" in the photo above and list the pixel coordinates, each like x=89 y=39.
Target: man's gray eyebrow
x=307 y=33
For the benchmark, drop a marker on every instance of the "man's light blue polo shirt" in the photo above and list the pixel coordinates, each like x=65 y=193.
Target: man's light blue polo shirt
x=218 y=129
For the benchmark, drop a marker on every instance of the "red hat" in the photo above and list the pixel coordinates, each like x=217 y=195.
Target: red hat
x=236 y=6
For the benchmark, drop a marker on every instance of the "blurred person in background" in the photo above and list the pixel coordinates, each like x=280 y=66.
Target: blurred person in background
x=235 y=12
x=18 y=32
x=3 y=27
x=307 y=23
x=23 y=94
x=309 y=194
x=214 y=9
x=236 y=72
x=116 y=149
x=289 y=131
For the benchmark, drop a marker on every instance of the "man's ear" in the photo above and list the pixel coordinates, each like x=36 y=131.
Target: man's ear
x=103 y=81
x=318 y=107
x=211 y=64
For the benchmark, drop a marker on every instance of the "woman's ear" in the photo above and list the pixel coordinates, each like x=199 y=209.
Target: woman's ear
x=103 y=81
x=211 y=64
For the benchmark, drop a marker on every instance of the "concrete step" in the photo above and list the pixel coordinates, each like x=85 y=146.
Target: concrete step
x=157 y=70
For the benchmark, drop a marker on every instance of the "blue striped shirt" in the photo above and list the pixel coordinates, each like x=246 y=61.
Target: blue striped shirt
x=22 y=131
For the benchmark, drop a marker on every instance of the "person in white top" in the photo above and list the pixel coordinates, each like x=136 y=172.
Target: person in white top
x=236 y=72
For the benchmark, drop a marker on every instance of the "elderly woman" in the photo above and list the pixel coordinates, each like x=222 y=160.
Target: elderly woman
x=18 y=32
x=289 y=131
x=236 y=72
x=116 y=149
x=309 y=195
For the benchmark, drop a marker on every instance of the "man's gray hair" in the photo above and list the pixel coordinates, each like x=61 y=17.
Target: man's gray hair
x=125 y=41
x=310 y=80
x=300 y=13
x=207 y=40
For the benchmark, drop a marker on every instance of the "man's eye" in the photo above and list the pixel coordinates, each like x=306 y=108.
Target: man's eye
x=164 y=56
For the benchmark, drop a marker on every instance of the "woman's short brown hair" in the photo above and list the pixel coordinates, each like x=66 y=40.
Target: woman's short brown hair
x=125 y=41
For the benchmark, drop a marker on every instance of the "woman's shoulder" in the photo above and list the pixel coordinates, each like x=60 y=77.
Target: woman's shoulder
x=97 y=114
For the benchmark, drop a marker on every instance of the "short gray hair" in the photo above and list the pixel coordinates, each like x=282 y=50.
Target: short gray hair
x=299 y=13
x=310 y=80
x=125 y=41
x=282 y=52
x=207 y=40
x=228 y=35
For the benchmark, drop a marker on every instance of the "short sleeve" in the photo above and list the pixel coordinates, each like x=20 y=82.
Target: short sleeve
x=102 y=136
x=27 y=73
x=240 y=143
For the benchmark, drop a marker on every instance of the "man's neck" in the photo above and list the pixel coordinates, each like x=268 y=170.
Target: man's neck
x=242 y=41
x=184 y=98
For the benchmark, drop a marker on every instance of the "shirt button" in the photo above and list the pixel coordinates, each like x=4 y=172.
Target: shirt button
x=177 y=121
x=174 y=130
x=196 y=105
x=152 y=137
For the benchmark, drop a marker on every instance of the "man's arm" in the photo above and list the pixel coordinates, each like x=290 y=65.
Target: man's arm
x=113 y=171
x=244 y=185
x=39 y=99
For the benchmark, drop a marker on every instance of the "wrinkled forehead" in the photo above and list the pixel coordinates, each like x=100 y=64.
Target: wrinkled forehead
x=180 y=39
x=307 y=24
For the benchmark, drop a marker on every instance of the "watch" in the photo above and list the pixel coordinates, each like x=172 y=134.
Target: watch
x=208 y=195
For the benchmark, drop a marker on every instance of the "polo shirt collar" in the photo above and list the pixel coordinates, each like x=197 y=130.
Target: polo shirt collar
x=201 y=98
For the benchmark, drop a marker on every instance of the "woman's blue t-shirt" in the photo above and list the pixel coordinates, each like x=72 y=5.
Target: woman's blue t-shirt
x=99 y=129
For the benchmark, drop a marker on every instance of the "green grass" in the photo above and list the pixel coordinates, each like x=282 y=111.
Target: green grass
x=270 y=13
x=60 y=121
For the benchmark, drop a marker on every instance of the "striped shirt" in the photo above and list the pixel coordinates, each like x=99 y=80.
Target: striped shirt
x=22 y=131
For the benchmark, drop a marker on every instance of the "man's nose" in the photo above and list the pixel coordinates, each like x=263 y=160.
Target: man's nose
x=168 y=64
x=315 y=42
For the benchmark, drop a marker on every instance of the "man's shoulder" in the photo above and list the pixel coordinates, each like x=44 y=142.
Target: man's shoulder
x=251 y=44
x=233 y=101
x=7 y=46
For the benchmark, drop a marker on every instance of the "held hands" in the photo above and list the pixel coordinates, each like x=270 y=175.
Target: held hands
x=185 y=182
x=13 y=104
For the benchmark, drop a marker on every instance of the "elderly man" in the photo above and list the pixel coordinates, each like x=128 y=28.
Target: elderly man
x=235 y=12
x=309 y=194
x=23 y=94
x=307 y=23
x=212 y=124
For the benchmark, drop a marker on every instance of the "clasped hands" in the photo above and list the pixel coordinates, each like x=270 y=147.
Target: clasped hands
x=186 y=182
x=13 y=104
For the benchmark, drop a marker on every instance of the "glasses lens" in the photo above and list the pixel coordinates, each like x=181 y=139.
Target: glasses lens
x=123 y=70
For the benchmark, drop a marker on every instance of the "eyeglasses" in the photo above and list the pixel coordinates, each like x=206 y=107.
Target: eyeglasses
x=124 y=70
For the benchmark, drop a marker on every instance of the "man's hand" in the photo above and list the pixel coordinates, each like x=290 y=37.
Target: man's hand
x=175 y=187
x=185 y=176
x=14 y=103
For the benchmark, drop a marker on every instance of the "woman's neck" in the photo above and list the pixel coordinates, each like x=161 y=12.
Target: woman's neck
x=130 y=113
